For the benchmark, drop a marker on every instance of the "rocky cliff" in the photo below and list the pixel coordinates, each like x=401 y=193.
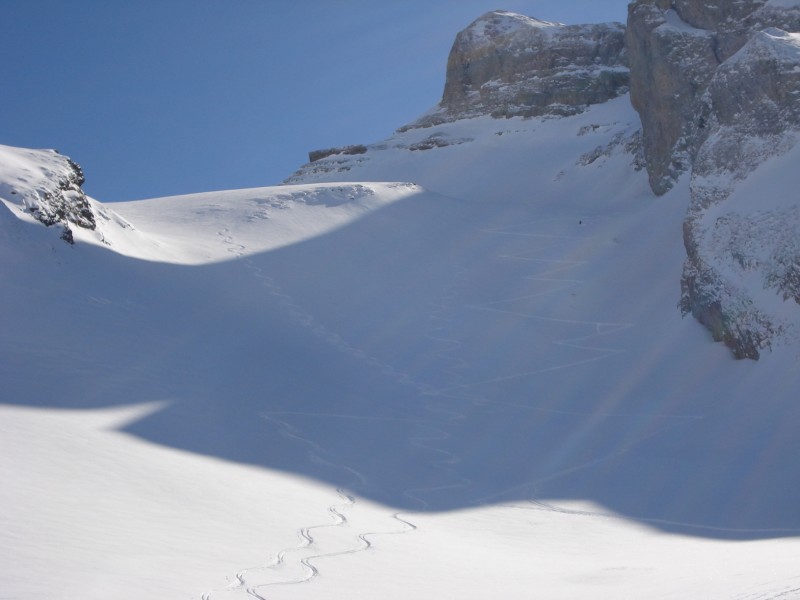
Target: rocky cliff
x=752 y=113
x=717 y=87
x=675 y=48
x=505 y=64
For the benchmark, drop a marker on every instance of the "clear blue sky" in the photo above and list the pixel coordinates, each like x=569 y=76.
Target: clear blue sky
x=162 y=97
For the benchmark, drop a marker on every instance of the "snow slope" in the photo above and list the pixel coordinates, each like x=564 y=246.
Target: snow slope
x=478 y=385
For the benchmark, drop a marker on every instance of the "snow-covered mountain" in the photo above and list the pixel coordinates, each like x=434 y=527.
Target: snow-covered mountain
x=450 y=363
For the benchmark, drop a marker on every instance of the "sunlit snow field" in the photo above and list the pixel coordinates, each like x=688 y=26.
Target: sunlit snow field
x=472 y=383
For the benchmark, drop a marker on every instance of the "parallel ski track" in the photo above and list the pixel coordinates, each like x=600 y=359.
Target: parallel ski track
x=247 y=580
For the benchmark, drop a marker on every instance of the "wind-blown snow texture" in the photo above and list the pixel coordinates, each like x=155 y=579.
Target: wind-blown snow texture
x=474 y=385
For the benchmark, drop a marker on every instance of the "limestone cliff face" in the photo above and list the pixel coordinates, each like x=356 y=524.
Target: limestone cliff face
x=505 y=64
x=671 y=64
x=716 y=85
x=675 y=48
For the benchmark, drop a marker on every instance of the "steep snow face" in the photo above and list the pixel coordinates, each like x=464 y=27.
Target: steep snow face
x=46 y=186
x=505 y=64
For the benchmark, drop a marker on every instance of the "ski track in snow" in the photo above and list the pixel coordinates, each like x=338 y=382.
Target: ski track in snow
x=774 y=593
x=463 y=391
x=255 y=581
x=252 y=580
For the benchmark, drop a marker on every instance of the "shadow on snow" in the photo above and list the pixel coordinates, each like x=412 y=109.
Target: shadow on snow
x=434 y=355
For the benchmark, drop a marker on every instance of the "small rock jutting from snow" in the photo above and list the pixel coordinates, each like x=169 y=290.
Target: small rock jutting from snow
x=46 y=185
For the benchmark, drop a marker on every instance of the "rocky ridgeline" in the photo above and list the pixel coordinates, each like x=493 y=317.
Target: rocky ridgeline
x=46 y=185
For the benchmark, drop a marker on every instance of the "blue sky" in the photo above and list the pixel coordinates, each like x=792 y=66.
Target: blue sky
x=163 y=97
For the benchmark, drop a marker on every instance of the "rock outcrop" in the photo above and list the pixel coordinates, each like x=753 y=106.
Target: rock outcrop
x=316 y=155
x=46 y=185
x=505 y=64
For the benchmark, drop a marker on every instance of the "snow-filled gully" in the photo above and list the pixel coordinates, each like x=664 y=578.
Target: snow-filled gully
x=339 y=536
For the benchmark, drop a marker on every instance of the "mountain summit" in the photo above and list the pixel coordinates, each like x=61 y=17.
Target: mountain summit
x=505 y=65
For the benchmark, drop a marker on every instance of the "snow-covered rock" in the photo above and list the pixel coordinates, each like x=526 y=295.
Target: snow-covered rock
x=47 y=186
x=738 y=249
x=716 y=86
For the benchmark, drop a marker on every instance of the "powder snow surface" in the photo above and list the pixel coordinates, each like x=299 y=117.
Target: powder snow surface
x=474 y=386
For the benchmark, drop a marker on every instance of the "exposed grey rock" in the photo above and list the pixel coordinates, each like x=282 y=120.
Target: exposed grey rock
x=437 y=140
x=48 y=186
x=66 y=203
x=316 y=155
x=505 y=64
x=675 y=48
x=671 y=64
x=717 y=88
x=752 y=113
